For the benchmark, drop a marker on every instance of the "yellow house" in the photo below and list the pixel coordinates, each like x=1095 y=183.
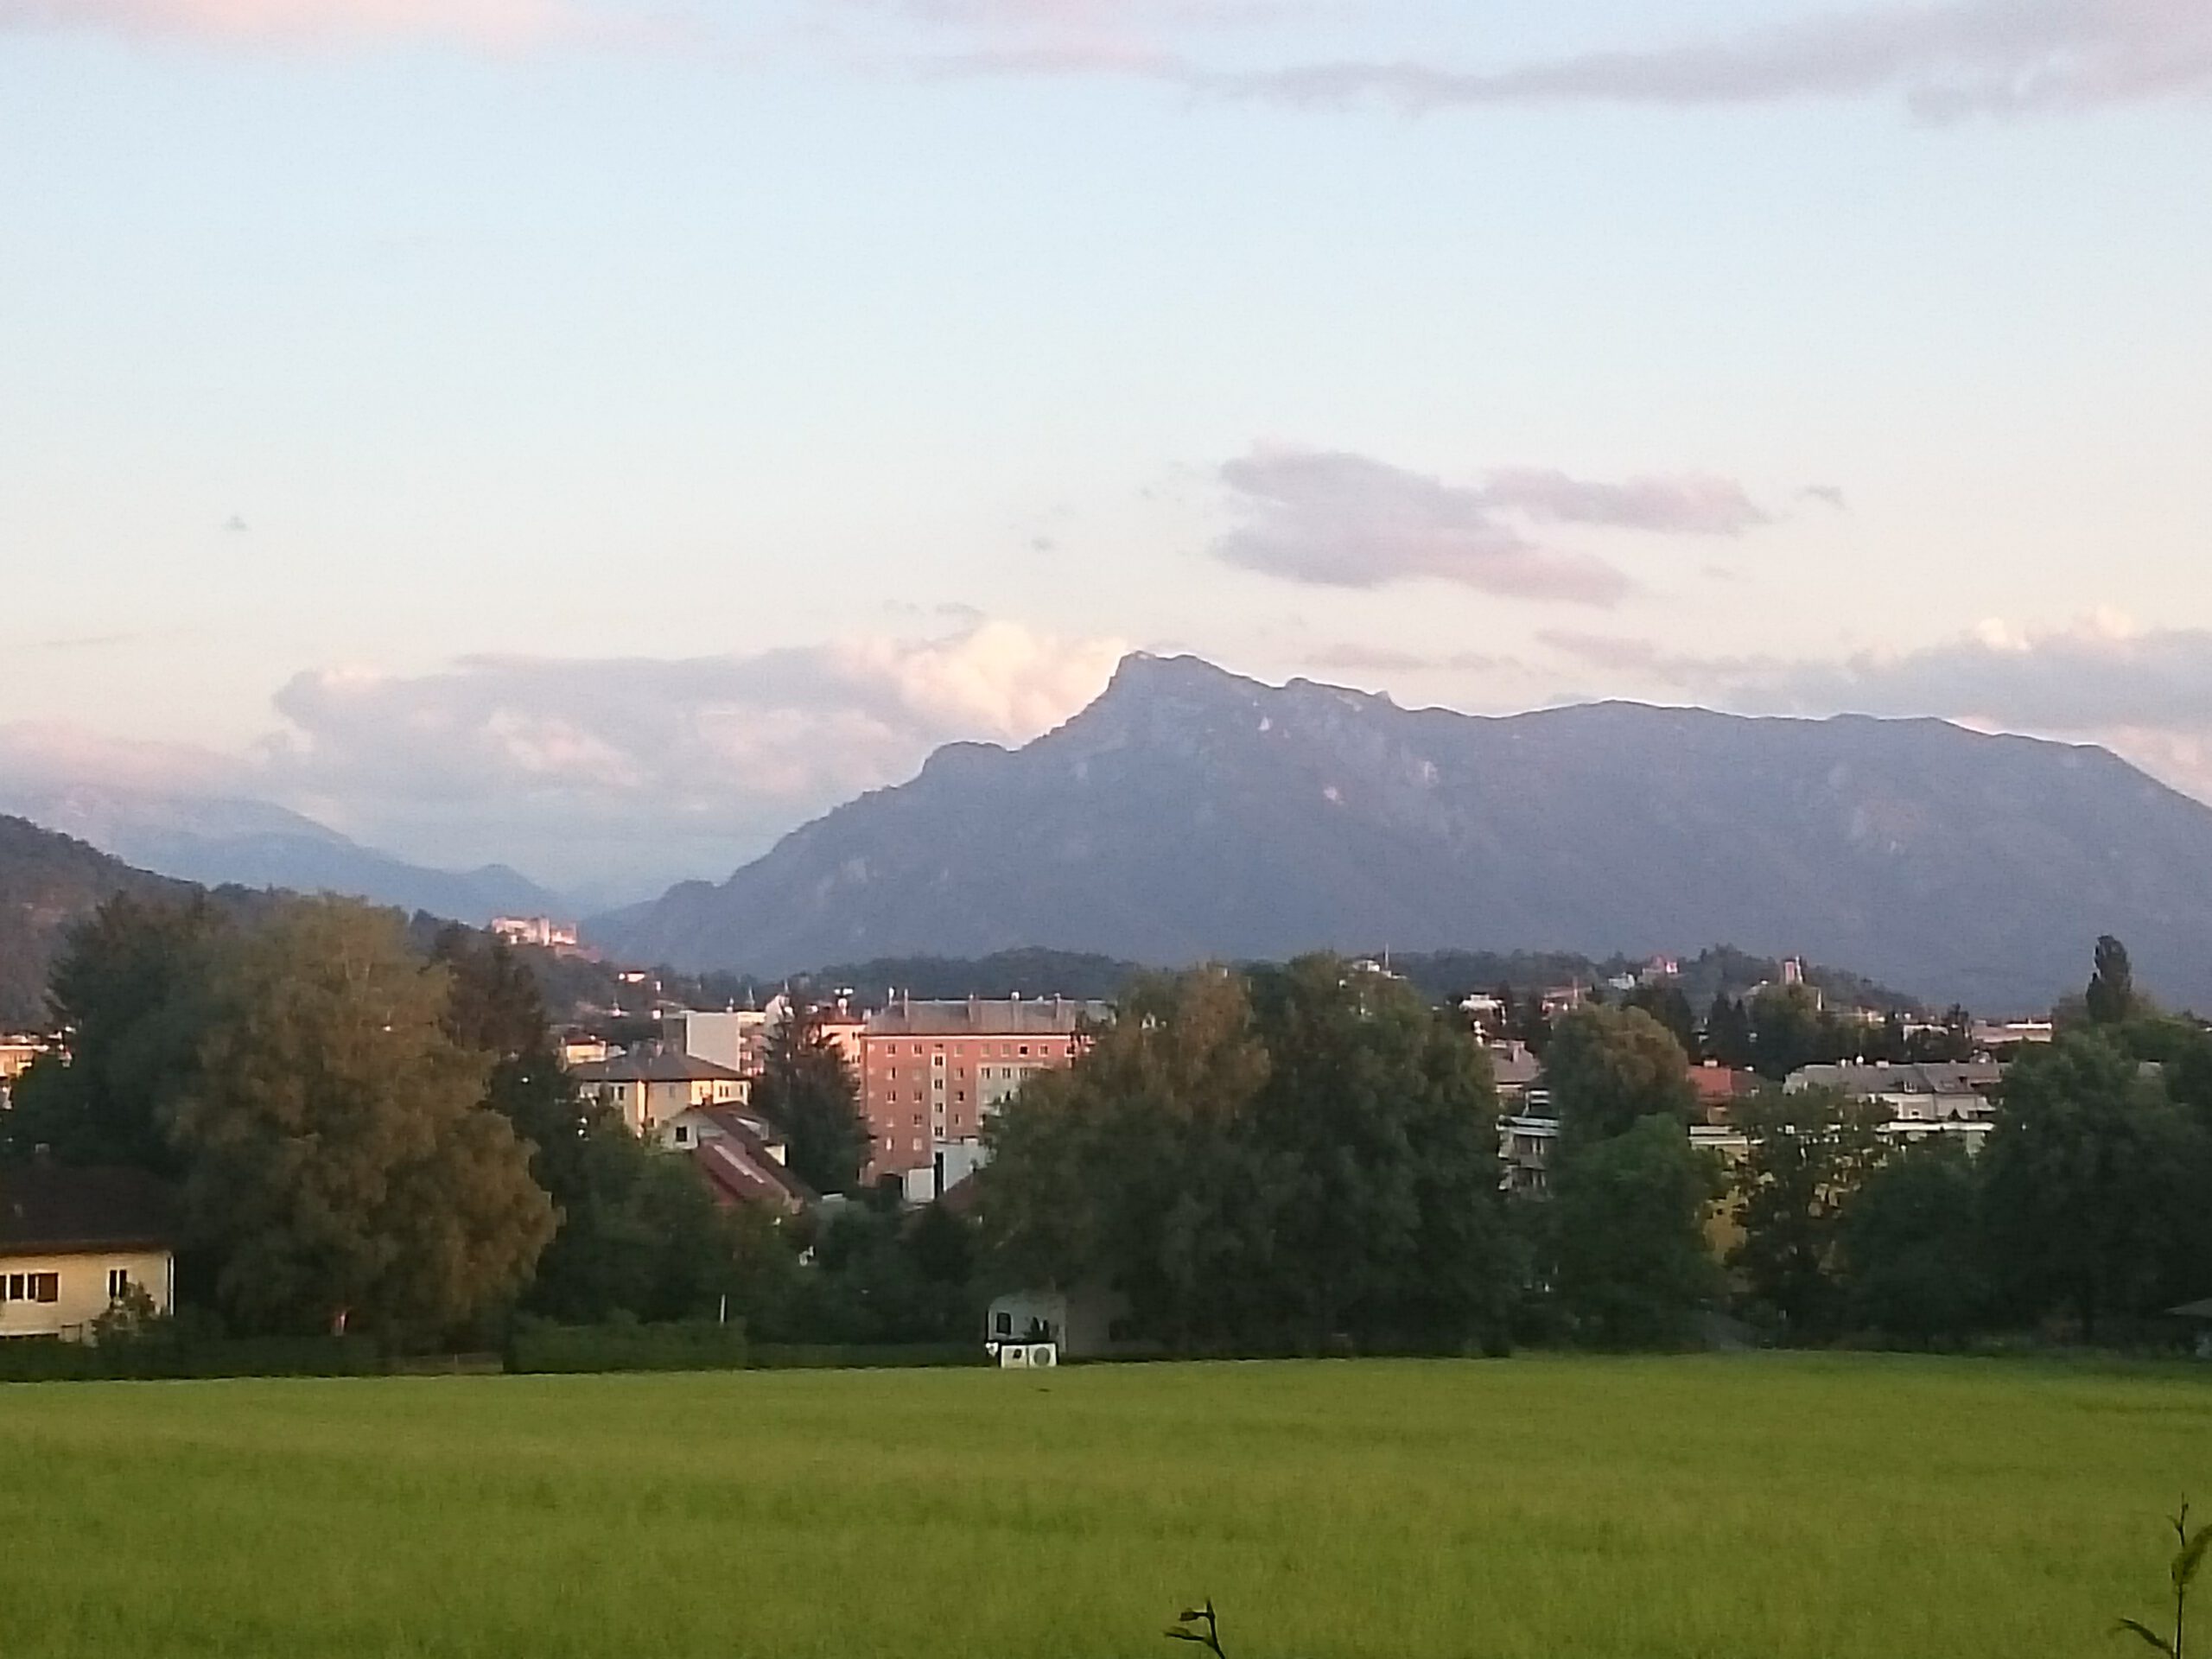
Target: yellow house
x=654 y=1086
x=74 y=1242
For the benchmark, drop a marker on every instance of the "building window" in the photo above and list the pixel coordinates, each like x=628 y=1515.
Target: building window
x=118 y=1283
x=683 y=1134
x=46 y=1287
x=14 y=1288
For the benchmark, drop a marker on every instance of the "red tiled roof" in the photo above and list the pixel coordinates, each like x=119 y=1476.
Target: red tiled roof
x=1717 y=1083
x=741 y=1170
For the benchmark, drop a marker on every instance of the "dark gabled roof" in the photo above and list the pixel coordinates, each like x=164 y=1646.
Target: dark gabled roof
x=60 y=1211
x=659 y=1066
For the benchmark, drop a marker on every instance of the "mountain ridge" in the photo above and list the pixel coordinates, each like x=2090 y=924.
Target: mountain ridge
x=223 y=841
x=1189 y=813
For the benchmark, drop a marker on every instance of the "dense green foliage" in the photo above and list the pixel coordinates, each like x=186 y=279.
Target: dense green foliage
x=337 y=1156
x=1607 y=1068
x=700 y=1345
x=1811 y=1153
x=1911 y=1261
x=1293 y=1156
x=2097 y=1185
x=1629 y=1261
x=1790 y=1507
x=808 y=1090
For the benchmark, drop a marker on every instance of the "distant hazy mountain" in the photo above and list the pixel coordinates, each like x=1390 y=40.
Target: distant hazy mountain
x=254 y=844
x=48 y=883
x=1189 y=813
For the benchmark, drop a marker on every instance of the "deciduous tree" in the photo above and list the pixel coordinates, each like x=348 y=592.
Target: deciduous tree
x=1911 y=1263
x=339 y=1154
x=2091 y=1180
x=1631 y=1263
x=1609 y=1067
x=1810 y=1152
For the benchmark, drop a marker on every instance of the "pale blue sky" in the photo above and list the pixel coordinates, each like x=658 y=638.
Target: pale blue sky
x=766 y=333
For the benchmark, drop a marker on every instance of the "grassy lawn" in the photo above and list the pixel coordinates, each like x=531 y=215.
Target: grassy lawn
x=1754 y=1506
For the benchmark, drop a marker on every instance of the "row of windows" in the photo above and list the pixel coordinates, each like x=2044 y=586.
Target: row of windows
x=47 y=1286
x=1006 y=1051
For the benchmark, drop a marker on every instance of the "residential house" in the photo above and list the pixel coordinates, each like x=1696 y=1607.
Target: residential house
x=1517 y=1074
x=1719 y=1087
x=584 y=1048
x=17 y=1054
x=74 y=1242
x=933 y=1073
x=2002 y=1036
x=1525 y=1148
x=651 y=1085
x=744 y=1159
x=1951 y=1098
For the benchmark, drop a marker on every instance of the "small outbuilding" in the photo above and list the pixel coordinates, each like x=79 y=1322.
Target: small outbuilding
x=1079 y=1324
x=2200 y=1315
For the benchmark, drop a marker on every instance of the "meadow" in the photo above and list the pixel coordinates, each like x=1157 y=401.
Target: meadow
x=1770 y=1506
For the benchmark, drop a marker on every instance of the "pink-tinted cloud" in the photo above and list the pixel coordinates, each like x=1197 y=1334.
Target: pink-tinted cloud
x=1945 y=59
x=1350 y=521
x=495 y=26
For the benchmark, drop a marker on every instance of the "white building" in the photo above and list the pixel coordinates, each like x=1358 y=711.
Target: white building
x=731 y=1039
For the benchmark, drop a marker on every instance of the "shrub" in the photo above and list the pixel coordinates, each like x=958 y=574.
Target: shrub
x=697 y=1346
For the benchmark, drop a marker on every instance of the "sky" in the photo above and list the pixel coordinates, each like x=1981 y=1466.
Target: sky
x=599 y=436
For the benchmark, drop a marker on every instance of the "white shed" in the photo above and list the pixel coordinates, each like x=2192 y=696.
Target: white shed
x=1080 y=1322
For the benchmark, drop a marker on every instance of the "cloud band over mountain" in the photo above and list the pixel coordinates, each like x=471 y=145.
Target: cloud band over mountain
x=1345 y=520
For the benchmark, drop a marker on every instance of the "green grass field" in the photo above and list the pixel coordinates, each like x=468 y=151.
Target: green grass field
x=1754 y=1506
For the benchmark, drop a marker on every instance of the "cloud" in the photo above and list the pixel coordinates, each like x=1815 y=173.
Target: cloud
x=40 y=757
x=566 y=761
x=2097 y=674
x=1946 y=60
x=1348 y=521
x=619 y=775
x=499 y=27
x=2143 y=693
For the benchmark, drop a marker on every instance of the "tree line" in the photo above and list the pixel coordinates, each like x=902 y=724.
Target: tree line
x=1775 y=1031
x=1308 y=1156
x=375 y=1135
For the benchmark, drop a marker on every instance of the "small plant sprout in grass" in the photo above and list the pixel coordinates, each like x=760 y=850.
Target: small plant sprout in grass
x=2187 y=1560
x=1187 y=1628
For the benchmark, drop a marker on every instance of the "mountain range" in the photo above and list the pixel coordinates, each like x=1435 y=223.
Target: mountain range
x=217 y=841
x=1189 y=814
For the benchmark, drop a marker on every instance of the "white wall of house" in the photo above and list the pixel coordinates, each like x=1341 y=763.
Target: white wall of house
x=60 y=1295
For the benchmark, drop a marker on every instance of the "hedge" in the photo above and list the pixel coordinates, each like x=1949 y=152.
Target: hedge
x=849 y=1356
x=47 y=1359
x=697 y=1347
